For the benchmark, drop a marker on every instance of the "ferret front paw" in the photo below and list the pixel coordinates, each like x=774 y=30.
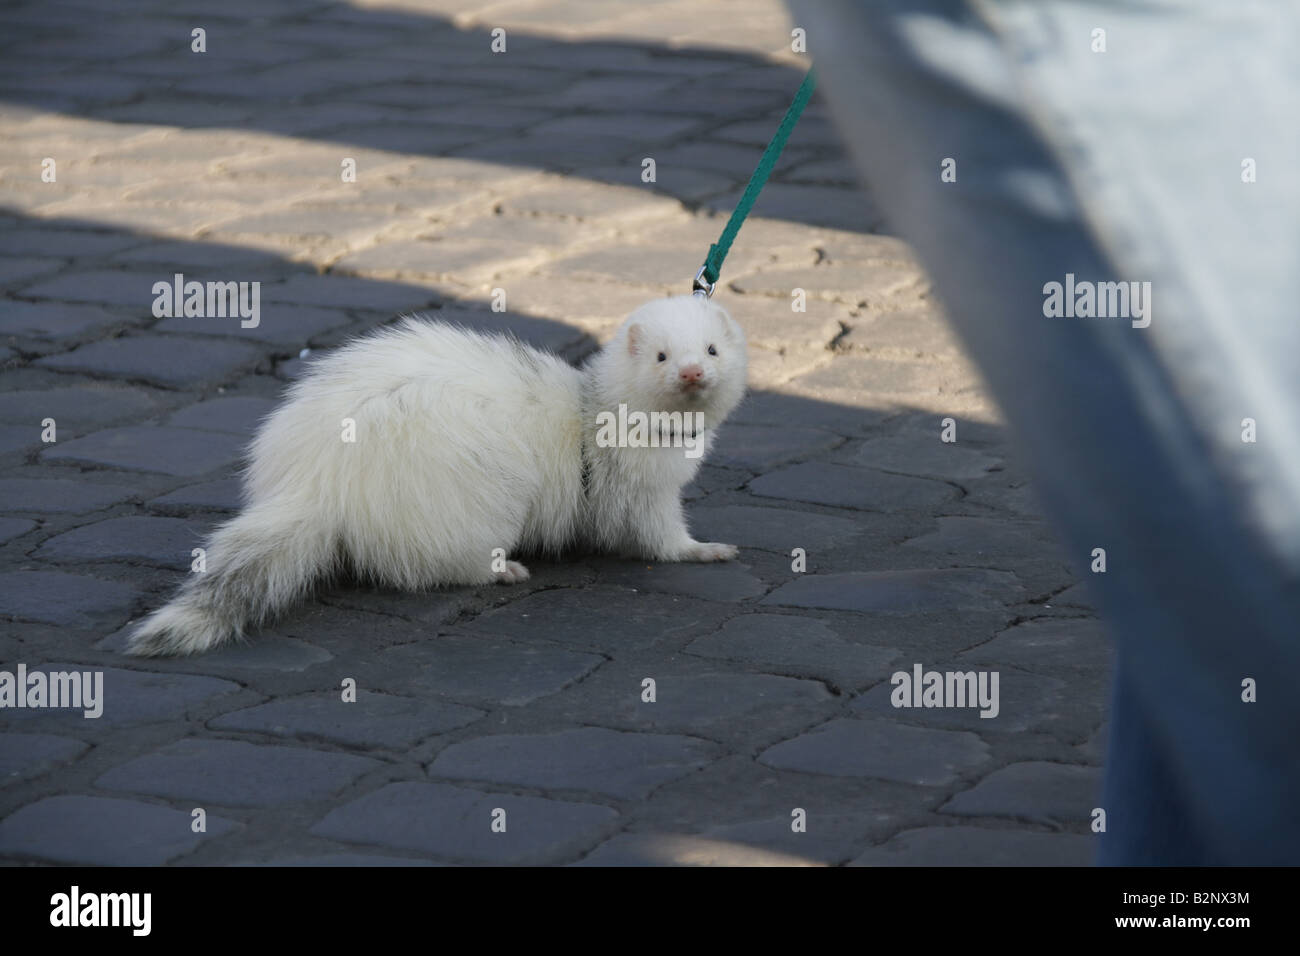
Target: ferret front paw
x=513 y=574
x=709 y=551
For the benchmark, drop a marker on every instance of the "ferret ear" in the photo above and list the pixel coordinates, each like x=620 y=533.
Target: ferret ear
x=732 y=328
x=634 y=335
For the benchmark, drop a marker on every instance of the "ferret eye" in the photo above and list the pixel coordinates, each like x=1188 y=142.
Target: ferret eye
x=712 y=350
x=663 y=357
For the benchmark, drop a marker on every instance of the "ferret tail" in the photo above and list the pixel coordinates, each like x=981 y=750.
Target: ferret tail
x=255 y=566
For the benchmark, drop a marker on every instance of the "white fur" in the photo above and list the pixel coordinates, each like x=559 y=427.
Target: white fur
x=465 y=443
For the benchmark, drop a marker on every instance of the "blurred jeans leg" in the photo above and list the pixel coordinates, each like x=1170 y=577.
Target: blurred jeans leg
x=1127 y=164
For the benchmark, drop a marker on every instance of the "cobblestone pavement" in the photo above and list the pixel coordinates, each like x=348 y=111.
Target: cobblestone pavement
x=519 y=171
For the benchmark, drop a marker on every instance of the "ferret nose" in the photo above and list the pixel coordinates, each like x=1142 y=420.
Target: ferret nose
x=690 y=374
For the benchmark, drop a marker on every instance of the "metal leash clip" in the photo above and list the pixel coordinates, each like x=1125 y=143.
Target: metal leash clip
x=701 y=285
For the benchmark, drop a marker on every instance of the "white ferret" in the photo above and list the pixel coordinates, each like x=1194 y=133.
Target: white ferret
x=462 y=444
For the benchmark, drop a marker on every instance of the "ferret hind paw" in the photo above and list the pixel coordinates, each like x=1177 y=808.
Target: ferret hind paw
x=513 y=574
x=710 y=551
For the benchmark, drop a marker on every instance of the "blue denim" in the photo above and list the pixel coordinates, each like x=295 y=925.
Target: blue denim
x=1126 y=165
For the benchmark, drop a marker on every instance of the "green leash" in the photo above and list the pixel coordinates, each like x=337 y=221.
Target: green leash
x=707 y=277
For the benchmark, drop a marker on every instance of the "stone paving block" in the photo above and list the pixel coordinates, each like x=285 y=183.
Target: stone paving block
x=34 y=239
x=456 y=824
x=422 y=608
x=130 y=698
x=208 y=257
x=100 y=831
x=549 y=153
x=707 y=98
x=771 y=529
x=897 y=382
x=783 y=409
x=352 y=633
x=100 y=287
x=798 y=647
x=283 y=325
x=705 y=704
x=838 y=207
x=75 y=407
x=686 y=185
x=844 y=486
x=237 y=774
x=773 y=323
x=625 y=765
x=1024 y=702
x=646 y=264
x=1035 y=790
x=1060 y=646
x=177 y=219
x=829 y=838
x=267 y=652
x=1077 y=595
x=881 y=750
x=343 y=859
x=419 y=96
x=1005 y=493
x=30 y=755
x=571 y=300
x=11 y=528
x=775 y=368
x=56 y=320
x=731 y=158
x=171 y=451
x=1093 y=750
x=59 y=495
x=14 y=438
x=712 y=582
x=582 y=201
x=981 y=538
x=534 y=230
x=260 y=652
x=926 y=455
x=757 y=447
x=812 y=130
x=66 y=600
x=678 y=849
x=594 y=617
x=373 y=720
x=767 y=246
x=904 y=330
x=481 y=668
x=221 y=495
x=167 y=360
x=348 y=292
x=900 y=592
x=14 y=269
x=337 y=222
x=476 y=258
x=839 y=171
x=163 y=542
x=86 y=86
x=977 y=846
x=545 y=334
x=849 y=282
x=238 y=415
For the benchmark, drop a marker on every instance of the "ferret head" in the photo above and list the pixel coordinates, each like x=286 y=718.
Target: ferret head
x=684 y=353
